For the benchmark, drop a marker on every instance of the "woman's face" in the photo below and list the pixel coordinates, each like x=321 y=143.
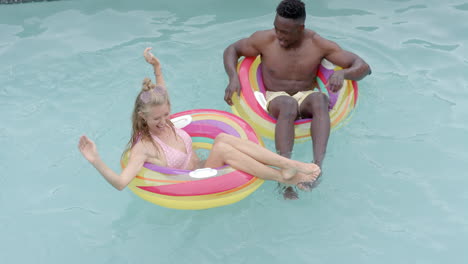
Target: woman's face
x=157 y=117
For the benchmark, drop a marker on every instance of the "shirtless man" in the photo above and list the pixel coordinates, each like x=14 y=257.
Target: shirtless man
x=291 y=56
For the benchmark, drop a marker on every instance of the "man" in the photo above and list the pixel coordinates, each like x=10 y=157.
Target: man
x=291 y=56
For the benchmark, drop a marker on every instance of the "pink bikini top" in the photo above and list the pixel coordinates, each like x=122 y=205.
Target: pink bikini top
x=175 y=158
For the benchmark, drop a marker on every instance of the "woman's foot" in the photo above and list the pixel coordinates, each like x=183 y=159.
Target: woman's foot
x=288 y=173
x=306 y=175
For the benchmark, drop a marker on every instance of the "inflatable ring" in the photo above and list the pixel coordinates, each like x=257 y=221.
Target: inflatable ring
x=251 y=104
x=202 y=188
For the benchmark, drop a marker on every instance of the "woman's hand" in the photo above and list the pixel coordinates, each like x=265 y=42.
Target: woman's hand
x=88 y=149
x=150 y=58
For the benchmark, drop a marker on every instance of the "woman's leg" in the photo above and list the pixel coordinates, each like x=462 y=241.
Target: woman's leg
x=263 y=155
x=222 y=154
x=251 y=158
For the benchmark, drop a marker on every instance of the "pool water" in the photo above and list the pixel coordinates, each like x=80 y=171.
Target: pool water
x=395 y=176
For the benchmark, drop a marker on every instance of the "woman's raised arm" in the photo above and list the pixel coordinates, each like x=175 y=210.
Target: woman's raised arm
x=151 y=59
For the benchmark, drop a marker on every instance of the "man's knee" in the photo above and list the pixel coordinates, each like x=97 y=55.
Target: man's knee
x=284 y=107
x=316 y=102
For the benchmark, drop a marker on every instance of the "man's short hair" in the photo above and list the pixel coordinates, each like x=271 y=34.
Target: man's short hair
x=293 y=9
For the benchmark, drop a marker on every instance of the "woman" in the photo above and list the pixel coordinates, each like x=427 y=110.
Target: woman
x=156 y=140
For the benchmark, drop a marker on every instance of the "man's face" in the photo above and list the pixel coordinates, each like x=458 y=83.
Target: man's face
x=288 y=31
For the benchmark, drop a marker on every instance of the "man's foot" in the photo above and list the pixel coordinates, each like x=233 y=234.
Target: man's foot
x=319 y=177
x=288 y=192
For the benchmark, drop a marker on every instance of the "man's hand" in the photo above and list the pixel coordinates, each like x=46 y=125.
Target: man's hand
x=233 y=86
x=335 y=82
x=150 y=58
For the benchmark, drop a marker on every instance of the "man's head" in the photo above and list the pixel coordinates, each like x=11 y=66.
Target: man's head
x=289 y=22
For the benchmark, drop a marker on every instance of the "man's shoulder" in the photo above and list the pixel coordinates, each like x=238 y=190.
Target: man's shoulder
x=261 y=39
x=264 y=35
x=319 y=41
x=312 y=35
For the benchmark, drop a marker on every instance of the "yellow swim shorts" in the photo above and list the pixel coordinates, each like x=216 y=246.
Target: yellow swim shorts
x=299 y=96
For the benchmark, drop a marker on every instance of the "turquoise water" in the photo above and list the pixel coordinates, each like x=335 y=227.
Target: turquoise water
x=395 y=176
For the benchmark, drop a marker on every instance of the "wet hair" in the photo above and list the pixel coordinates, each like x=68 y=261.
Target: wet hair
x=292 y=9
x=149 y=96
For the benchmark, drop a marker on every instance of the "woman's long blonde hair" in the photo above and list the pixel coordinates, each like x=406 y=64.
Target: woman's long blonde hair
x=149 y=96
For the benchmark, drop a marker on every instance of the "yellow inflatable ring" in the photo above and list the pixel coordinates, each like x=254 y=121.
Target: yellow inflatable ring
x=202 y=188
x=251 y=104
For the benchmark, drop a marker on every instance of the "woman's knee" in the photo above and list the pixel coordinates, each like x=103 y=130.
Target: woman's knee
x=222 y=137
x=220 y=147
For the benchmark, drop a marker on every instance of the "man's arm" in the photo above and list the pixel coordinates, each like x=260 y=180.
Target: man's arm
x=248 y=47
x=354 y=67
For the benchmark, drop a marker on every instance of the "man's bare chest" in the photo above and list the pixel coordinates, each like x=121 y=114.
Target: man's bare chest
x=291 y=65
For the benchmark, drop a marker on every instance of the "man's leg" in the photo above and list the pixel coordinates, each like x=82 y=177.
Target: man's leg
x=315 y=106
x=285 y=110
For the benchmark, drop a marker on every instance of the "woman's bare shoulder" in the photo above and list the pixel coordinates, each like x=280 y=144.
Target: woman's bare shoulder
x=144 y=147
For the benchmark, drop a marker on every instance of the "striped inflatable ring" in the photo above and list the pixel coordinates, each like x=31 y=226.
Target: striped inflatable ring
x=202 y=188
x=251 y=104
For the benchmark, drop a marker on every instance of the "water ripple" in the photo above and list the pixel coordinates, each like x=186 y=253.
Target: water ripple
x=451 y=103
x=431 y=45
x=200 y=20
x=62 y=210
x=368 y=29
x=32 y=28
x=343 y=12
x=26 y=110
x=402 y=10
x=463 y=7
x=53 y=191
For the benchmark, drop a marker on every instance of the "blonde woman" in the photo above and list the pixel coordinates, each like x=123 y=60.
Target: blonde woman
x=155 y=140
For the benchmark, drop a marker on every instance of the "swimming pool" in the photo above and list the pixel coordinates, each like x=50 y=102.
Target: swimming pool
x=394 y=184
